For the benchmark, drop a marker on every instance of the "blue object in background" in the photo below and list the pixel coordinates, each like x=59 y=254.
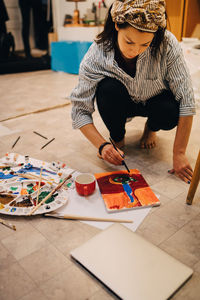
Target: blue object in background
x=66 y=56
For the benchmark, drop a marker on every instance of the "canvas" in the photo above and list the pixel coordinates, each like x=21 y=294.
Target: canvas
x=121 y=190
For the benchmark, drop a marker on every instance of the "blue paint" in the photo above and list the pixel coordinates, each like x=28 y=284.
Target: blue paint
x=28 y=166
x=4 y=176
x=128 y=190
x=13 y=209
x=35 y=170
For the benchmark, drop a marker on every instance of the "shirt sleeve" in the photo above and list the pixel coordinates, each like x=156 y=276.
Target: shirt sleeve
x=82 y=97
x=178 y=77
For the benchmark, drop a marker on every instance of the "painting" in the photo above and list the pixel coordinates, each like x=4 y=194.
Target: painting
x=121 y=190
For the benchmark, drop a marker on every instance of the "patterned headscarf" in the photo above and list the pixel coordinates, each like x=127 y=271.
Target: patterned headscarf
x=145 y=15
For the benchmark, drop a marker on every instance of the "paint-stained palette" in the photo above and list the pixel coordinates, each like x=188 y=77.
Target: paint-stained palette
x=18 y=196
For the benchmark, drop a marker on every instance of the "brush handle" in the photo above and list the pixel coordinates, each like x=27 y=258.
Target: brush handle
x=9 y=225
x=49 y=195
x=85 y=218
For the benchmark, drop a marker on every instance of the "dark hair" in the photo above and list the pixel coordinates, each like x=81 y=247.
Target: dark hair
x=109 y=35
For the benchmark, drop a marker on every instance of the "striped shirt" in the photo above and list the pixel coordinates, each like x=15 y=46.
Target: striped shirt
x=168 y=71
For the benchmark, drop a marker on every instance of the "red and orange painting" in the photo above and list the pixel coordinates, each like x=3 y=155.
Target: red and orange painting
x=121 y=190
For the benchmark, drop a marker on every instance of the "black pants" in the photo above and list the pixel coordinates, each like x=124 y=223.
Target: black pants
x=25 y=7
x=115 y=106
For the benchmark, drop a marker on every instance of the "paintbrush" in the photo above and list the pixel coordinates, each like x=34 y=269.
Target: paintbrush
x=50 y=194
x=31 y=176
x=16 y=142
x=123 y=162
x=8 y=224
x=48 y=143
x=85 y=218
x=44 y=137
x=39 y=186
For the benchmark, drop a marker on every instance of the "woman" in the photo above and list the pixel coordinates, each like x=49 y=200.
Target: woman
x=135 y=68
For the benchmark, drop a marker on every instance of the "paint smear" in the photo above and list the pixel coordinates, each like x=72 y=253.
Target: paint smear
x=6 y=198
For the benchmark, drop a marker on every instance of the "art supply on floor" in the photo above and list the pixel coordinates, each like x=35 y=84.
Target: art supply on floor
x=85 y=218
x=130 y=266
x=9 y=225
x=124 y=191
x=33 y=176
x=44 y=137
x=19 y=185
x=48 y=143
x=85 y=184
x=50 y=194
x=15 y=142
x=39 y=186
x=123 y=162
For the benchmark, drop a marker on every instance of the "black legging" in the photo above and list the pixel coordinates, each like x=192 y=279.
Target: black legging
x=115 y=106
x=25 y=7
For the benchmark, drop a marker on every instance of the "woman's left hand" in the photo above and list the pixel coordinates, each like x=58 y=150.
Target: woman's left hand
x=181 y=167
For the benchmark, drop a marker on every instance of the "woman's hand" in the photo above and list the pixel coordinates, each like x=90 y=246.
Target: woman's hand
x=111 y=155
x=181 y=167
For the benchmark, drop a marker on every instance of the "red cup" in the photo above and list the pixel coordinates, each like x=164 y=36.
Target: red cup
x=85 y=184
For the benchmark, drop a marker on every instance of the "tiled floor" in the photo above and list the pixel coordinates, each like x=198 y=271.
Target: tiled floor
x=35 y=261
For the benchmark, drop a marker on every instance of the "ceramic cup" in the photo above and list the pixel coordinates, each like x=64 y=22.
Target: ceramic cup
x=85 y=184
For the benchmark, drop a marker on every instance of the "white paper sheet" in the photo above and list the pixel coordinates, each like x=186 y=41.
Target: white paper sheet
x=93 y=206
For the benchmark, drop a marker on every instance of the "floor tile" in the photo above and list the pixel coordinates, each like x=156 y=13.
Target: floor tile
x=6 y=259
x=35 y=294
x=24 y=242
x=197 y=267
x=72 y=239
x=52 y=228
x=184 y=247
x=163 y=201
x=155 y=229
x=196 y=200
x=19 y=222
x=72 y=284
x=103 y=295
x=193 y=227
x=44 y=263
x=176 y=213
x=191 y=290
x=170 y=186
x=14 y=282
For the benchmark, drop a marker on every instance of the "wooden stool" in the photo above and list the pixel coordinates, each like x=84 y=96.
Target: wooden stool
x=194 y=182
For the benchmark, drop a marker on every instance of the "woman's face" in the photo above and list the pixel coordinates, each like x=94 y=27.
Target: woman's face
x=132 y=42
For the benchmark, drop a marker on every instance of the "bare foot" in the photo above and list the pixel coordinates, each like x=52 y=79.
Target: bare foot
x=148 y=139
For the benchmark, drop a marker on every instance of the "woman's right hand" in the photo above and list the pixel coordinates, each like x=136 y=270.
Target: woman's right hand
x=111 y=155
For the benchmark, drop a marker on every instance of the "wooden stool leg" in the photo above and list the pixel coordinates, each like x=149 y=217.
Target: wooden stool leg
x=194 y=182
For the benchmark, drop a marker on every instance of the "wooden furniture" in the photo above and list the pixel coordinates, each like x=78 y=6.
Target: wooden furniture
x=183 y=15
x=194 y=182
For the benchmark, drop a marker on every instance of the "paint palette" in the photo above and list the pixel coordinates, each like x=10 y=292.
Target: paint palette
x=18 y=195
x=19 y=198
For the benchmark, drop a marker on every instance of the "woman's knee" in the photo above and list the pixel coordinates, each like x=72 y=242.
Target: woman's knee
x=111 y=87
x=165 y=111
